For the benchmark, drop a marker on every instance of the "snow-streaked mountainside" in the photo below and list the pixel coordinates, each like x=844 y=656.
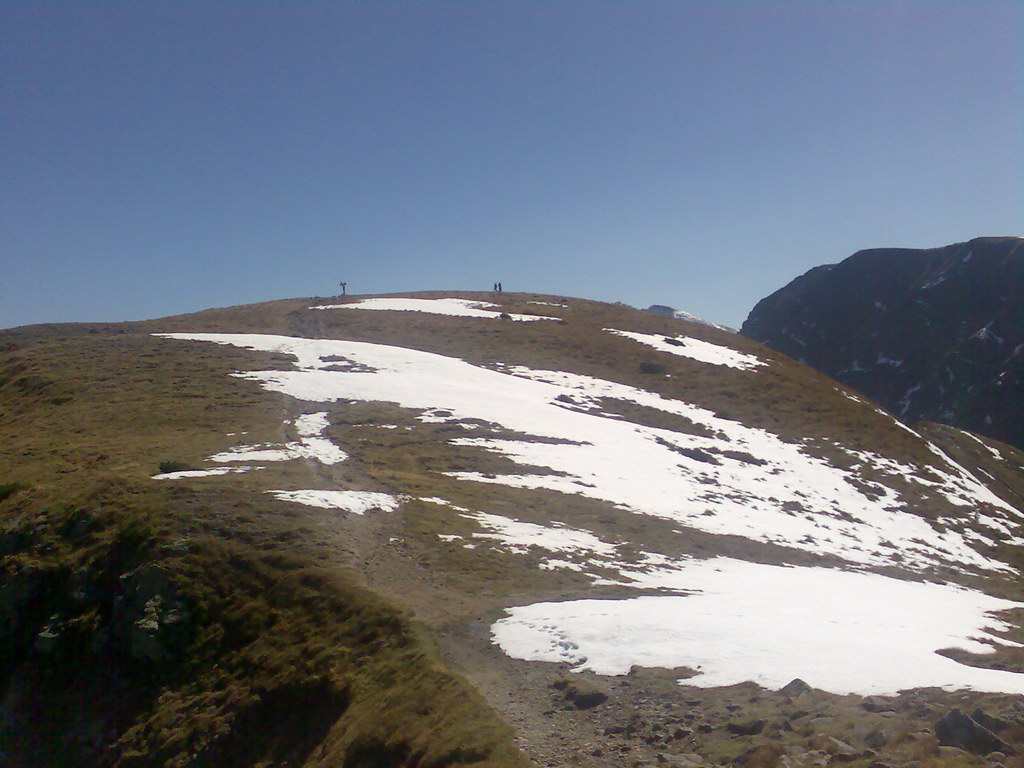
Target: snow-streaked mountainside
x=934 y=334
x=830 y=512
x=643 y=540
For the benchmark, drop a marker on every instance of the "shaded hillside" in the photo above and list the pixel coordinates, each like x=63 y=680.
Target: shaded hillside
x=302 y=533
x=934 y=334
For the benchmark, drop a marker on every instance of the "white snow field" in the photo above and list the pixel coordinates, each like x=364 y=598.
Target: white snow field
x=451 y=307
x=695 y=349
x=355 y=502
x=839 y=631
x=636 y=467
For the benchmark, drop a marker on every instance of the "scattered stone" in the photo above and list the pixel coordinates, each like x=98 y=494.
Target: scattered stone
x=684 y=760
x=836 y=747
x=877 y=704
x=814 y=758
x=820 y=722
x=956 y=729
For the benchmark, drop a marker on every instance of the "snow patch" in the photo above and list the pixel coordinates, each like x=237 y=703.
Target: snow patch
x=519 y=536
x=695 y=349
x=840 y=631
x=450 y=307
x=356 y=502
x=212 y=472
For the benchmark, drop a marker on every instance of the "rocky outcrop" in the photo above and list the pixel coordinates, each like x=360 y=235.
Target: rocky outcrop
x=931 y=335
x=149 y=619
x=958 y=730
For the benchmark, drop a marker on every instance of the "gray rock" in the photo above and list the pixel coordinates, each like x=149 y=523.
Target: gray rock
x=795 y=687
x=956 y=729
x=877 y=704
x=836 y=747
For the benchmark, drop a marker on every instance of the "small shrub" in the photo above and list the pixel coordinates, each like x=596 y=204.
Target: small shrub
x=172 y=466
x=9 y=489
x=654 y=368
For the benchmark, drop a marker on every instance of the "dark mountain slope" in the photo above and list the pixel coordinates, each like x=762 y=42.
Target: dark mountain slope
x=934 y=334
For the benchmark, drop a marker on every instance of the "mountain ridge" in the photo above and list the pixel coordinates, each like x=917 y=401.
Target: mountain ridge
x=472 y=468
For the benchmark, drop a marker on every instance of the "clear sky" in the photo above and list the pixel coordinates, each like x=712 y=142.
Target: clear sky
x=159 y=158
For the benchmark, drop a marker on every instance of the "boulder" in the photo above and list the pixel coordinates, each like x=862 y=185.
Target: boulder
x=877 y=704
x=956 y=729
x=795 y=687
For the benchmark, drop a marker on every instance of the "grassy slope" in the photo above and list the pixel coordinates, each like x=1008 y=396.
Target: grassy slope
x=282 y=663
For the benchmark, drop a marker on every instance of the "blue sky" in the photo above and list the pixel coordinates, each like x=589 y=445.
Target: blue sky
x=159 y=158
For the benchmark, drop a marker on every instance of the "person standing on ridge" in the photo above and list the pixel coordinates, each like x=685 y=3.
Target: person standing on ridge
x=344 y=287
